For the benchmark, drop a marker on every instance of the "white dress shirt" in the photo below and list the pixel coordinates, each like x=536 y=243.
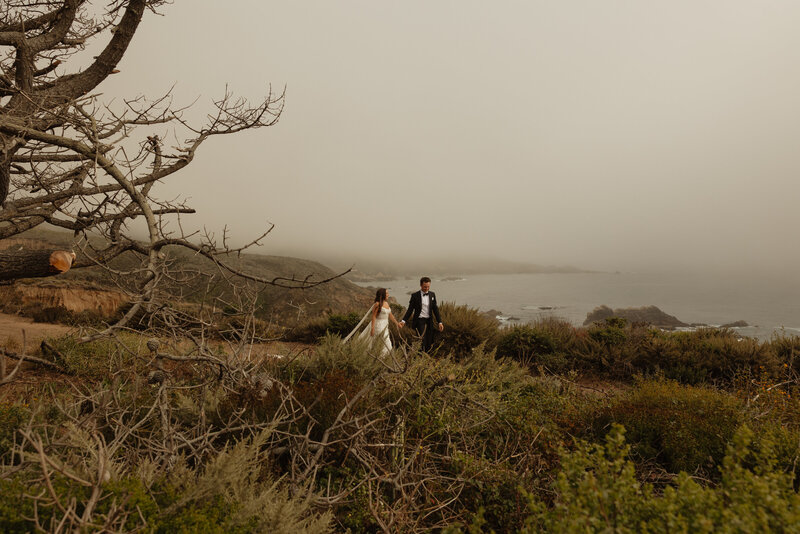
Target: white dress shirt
x=425 y=308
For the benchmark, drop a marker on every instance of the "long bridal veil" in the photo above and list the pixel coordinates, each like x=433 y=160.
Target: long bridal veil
x=366 y=316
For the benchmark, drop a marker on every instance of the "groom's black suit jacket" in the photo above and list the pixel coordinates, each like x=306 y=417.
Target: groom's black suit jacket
x=415 y=306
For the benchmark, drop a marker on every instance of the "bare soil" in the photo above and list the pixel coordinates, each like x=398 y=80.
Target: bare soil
x=13 y=326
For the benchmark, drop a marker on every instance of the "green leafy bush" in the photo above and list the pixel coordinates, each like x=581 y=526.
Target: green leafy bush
x=598 y=491
x=310 y=331
x=95 y=359
x=787 y=351
x=611 y=332
x=231 y=492
x=613 y=347
x=621 y=350
x=523 y=342
x=12 y=416
x=716 y=354
x=358 y=358
x=342 y=324
x=53 y=314
x=683 y=428
x=532 y=346
x=314 y=329
x=465 y=329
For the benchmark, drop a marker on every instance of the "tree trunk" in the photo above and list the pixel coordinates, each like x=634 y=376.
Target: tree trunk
x=34 y=263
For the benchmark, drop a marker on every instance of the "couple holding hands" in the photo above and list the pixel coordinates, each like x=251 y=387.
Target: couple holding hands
x=422 y=308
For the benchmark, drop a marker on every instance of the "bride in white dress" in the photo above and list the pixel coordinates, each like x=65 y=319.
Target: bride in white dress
x=378 y=327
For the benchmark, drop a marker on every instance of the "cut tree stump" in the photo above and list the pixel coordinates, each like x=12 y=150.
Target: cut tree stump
x=34 y=263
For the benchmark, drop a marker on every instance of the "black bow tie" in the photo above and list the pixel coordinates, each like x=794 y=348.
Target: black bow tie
x=424 y=294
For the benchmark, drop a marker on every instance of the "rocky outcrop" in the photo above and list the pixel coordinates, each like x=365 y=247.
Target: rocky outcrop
x=735 y=324
x=646 y=314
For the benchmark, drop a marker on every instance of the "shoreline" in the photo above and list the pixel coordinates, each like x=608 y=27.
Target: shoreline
x=766 y=304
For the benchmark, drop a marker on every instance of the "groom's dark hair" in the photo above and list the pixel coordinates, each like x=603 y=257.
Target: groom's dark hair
x=423 y=280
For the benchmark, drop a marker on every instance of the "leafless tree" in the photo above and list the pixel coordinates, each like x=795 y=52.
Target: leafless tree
x=69 y=160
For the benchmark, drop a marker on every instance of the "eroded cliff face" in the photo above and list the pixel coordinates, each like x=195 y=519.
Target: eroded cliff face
x=75 y=299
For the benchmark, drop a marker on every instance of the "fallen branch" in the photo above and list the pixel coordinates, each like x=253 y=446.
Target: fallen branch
x=33 y=359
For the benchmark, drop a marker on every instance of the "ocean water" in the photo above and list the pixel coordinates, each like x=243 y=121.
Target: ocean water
x=769 y=305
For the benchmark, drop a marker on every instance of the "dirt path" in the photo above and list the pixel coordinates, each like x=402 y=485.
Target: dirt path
x=12 y=326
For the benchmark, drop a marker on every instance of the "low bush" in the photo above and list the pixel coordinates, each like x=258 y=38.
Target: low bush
x=309 y=331
x=232 y=492
x=12 y=416
x=787 y=351
x=682 y=428
x=342 y=324
x=357 y=358
x=598 y=491
x=465 y=329
x=53 y=314
x=532 y=346
x=313 y=330
x=708 y=355
x=613 y=348
x=716 y=354
x=96 y=359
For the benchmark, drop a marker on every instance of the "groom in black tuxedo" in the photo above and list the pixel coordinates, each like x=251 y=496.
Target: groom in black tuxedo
x=424 y=308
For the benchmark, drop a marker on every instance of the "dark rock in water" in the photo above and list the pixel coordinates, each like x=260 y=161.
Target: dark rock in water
x=735 y=324
x=647 y=314
x=492 y=314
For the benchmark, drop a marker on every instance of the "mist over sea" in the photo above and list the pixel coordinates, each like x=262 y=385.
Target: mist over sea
x=767 y=304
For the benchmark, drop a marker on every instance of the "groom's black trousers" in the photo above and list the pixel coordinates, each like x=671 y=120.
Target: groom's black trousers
x=424 y=329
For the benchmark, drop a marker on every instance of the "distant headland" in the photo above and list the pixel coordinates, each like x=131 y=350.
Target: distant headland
x=453 y=270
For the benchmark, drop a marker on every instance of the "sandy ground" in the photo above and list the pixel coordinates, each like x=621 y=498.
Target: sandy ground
x=12 y=326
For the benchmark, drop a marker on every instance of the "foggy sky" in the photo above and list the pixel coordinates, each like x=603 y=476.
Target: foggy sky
x=603 y=134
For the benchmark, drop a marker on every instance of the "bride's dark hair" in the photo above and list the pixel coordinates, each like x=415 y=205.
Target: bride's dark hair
x=380 y=297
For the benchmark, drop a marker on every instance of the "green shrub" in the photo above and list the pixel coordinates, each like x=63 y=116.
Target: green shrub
x=523 y=342
x=357 y=357
x=12 y=416
x=787 y=351
x=465 y=329
x=620 y=350
x=613 y=347
x=231 y=492
x=683 y=428
x=316 y=328
x=96 y=359
x=716 y=354
x=611 y=332
x=598 y=491
x=781 y=444
x=54 y=314
x=493 y=492
x=324 y=398
x=342 y=324
x=15 y=510
x=531 y=346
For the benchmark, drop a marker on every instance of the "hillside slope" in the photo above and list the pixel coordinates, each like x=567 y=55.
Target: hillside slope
x=205 y=283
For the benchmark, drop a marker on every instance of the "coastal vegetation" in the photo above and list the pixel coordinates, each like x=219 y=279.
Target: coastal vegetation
x=539 y=427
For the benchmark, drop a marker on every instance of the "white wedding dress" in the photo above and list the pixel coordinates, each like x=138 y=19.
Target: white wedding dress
x=381 y=329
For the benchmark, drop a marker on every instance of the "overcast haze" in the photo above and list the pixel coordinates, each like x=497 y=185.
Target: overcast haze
x=602 y=134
